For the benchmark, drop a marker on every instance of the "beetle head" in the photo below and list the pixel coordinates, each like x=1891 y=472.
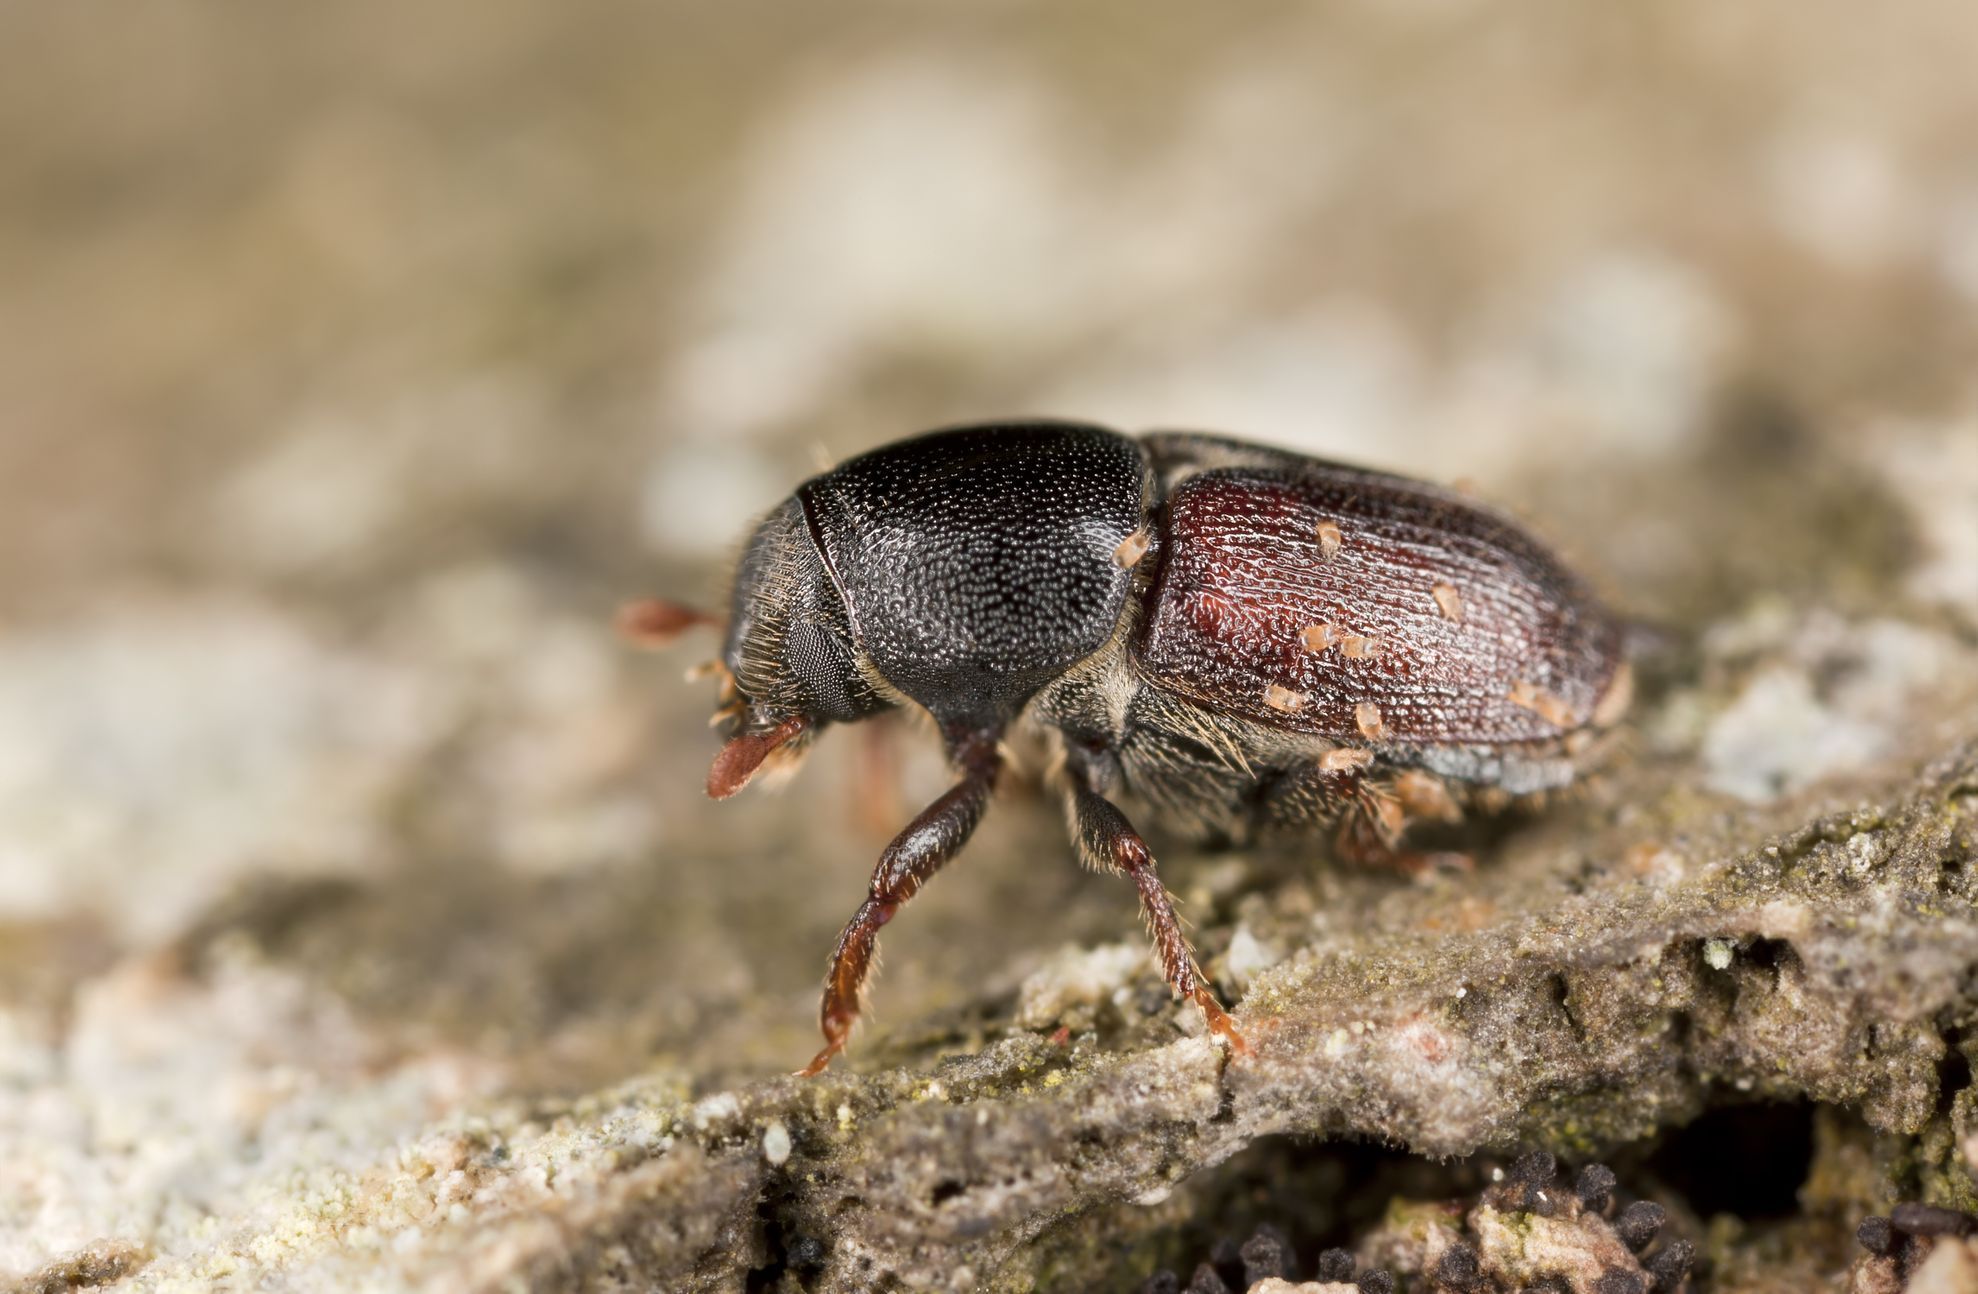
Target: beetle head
x=958 y=571
x=789 y=655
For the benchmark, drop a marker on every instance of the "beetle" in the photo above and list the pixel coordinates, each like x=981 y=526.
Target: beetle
x=1235 y=639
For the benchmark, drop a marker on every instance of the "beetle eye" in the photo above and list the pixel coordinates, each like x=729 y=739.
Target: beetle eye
x=824 y=665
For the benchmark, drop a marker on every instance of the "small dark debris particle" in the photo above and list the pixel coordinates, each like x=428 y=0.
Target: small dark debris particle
x=1459 y=1267
x=1376 y=1281
x=1535 y=1169
x=1335 y=1265
x=1529 y=1185
x=805 y=1252
x=1929 y=1220
x=1671 y=1265
x=1151 y=1000
x=1596 y=1187
x=1267 y=1253
x=1639 y=1222
x=1877 y=1236
x=1548 y=1285
x=1206 y=1281
x=1616 y=1281
x=1163 y=1282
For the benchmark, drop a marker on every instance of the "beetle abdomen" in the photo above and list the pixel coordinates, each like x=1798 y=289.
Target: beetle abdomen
x=1372 y=611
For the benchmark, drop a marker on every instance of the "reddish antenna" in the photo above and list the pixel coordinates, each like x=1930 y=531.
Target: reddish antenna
x=655 y=622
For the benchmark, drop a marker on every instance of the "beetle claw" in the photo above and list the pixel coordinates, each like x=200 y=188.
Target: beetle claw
x=1220 y=1023
x=821 y=1061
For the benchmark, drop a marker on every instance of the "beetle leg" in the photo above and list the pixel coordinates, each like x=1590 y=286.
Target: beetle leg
x=929 y=841
x=876 y=777
x=1371 y=827
x=1109 y=841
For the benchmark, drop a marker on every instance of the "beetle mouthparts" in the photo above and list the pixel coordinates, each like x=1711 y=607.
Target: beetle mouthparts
x=743 y=755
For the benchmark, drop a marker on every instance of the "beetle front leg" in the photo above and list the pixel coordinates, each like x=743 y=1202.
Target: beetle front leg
x=1109 y=841
x=929 y=841
x=876 y=777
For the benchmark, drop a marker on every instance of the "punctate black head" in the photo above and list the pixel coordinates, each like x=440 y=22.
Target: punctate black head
x=792 y=667
x=962 y=569
x=976 y=564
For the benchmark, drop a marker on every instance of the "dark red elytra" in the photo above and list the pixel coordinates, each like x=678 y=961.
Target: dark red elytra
x=1231 y=639
x=1248 y=591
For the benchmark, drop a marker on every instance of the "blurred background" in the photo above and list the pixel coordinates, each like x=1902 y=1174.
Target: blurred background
x=356 y=360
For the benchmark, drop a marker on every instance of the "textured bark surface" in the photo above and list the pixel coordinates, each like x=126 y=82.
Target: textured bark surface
x=363 y=924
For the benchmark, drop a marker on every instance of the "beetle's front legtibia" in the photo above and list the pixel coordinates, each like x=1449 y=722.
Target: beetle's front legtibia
x=928 y=842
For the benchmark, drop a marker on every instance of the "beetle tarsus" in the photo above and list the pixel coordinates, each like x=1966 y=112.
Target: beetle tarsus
x=1220 y=1024
x=1370 y=838
x=1415 y=863
x=1110 y=842
x=1418 y=863
x=833 y=1044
